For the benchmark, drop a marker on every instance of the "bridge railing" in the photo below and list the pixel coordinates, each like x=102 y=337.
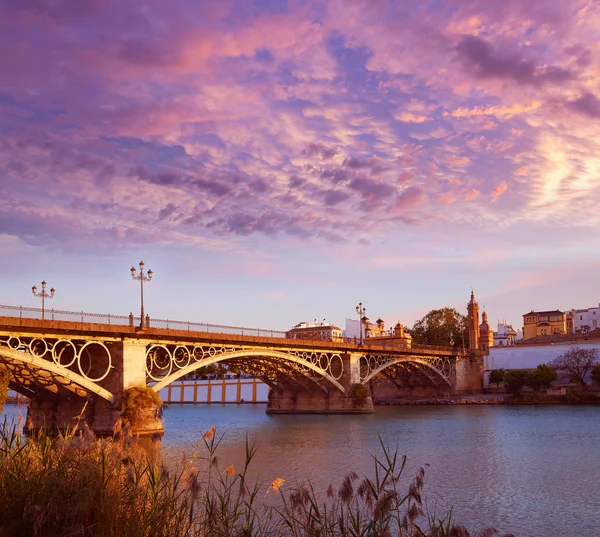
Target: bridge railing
x=51 y=314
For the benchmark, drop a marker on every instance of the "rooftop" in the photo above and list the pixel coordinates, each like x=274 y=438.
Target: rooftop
x=552 y=312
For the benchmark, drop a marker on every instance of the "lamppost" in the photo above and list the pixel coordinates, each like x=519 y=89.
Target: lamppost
x=361 y=310
x=142 y=278
x=44 y=294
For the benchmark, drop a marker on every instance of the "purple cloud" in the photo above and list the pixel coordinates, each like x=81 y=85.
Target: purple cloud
x=480 y=59
x=587 y=104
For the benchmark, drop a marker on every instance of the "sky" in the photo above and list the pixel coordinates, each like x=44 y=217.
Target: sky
x=281 y=161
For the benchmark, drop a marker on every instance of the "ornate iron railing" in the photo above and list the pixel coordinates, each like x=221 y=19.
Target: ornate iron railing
x=133 y=320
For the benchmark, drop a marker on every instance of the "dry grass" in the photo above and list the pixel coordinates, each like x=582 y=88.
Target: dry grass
x=79 y=485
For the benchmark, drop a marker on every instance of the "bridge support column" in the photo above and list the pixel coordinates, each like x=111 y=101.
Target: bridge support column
x=355 y=400
x=62 y=410
x=63 y=414
x=469 y=374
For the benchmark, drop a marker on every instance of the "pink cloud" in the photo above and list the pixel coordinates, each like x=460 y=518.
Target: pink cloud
x=498 y=190
x=471 y=194
x=446 y=198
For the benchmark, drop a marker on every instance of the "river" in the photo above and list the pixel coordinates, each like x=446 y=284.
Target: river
x=529 y=470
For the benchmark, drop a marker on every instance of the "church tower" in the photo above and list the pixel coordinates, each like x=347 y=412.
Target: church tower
x=486 y=335
x=473 y=323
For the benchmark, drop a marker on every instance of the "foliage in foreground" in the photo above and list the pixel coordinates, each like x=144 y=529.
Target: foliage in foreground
x=77 y=485
x=4 y=379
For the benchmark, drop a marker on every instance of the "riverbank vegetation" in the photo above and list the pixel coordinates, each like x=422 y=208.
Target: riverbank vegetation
x=79 y=485
x=4 y=379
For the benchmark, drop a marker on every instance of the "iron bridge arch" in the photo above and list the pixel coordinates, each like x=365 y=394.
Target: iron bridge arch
x=371 y=365
x=54 y=364
x=165 y=363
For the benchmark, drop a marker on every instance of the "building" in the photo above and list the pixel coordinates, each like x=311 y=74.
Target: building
x=395 y=337
x=486 y=335
x=505 y=335
x=544 y=323
x=584 y=320
x=376 y=329
x=315 y=330
x=473 y=322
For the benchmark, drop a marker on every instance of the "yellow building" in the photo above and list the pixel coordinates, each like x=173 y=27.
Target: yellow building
x=544 y=323
x=379 y=335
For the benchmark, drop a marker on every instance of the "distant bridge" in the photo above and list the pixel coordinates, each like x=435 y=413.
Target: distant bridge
x=62 y=364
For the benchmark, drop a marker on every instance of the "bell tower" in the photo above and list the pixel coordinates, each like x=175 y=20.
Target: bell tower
x=473 y=323
x=486 y=335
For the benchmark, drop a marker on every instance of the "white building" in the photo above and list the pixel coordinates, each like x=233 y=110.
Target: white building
x=585 y=320
x=316 y=330
x=352 y=328
x=505 y=335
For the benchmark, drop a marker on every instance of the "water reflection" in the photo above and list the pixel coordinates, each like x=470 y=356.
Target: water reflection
x=530 y=470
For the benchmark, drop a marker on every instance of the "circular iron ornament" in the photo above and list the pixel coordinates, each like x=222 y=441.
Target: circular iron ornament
x=158 y=360
x=211 y=352
x=181 y=357
x=198 y=354
x=336 y=367
x=62 y=347
x=38 y=347
x=93 y=362
x=14 y=343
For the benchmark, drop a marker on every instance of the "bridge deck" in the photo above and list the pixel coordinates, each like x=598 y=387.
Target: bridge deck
x=27 y=326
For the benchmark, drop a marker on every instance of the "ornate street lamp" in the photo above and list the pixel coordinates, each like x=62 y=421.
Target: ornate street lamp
x=44 y=294
x=361 y=310
x=142 y=278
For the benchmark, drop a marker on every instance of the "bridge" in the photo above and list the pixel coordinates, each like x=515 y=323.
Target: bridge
x=78 y=367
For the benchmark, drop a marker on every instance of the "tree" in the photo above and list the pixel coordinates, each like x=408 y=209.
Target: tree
x=515 y=380
x=496 y=376
x=596 y=374
x=546 y=374
x=445 y=327
x=541 y=377
x=576 y=363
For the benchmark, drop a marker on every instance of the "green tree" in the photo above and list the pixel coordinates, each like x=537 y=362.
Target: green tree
x=596 y=374
x=4 y=379
x=515 y=380
x=445 y=327
x=541 y=377
x=577 y=363
x=496 y=376
x=546 y=376
x=207 y=370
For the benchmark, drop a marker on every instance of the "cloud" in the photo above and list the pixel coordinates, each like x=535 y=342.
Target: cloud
x=321 y=150
x=498 y=190
x=471 y=194
x=410 y=197
x=501 y=112
x=481 y=60
x=587 y=105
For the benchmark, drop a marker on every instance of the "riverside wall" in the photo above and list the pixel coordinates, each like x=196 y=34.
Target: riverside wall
x=525 y=356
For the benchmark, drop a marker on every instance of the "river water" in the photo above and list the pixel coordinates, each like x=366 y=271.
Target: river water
x=530 y=470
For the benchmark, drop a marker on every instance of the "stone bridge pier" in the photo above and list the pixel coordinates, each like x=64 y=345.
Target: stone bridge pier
x=316 y=398
x=73 y=382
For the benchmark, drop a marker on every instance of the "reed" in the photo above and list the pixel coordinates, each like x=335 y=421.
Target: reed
x=77 y=485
